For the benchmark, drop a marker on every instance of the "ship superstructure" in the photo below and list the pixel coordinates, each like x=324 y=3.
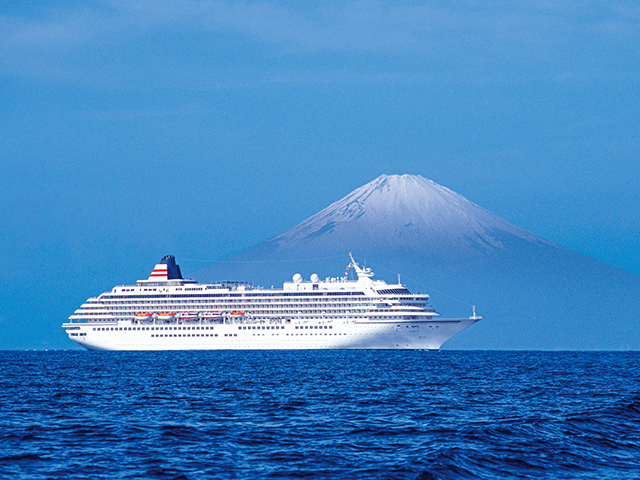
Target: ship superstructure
x=168 y=312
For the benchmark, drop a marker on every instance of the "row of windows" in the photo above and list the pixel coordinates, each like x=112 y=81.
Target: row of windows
x=236 y=295
x=316 y=326
x=246 y=301
x=226 y=334
x=150 y=328
x=235 y=304
x=394 y=291
x=263 y=327
x=194 y=335
x=252 y=327
x=235 y=334
x=240 y=327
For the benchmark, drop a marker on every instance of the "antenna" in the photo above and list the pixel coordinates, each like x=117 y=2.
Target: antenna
x=361 y=273
x=399 y=280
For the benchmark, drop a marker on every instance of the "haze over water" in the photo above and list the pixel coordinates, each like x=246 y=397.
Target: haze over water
x=320 y=414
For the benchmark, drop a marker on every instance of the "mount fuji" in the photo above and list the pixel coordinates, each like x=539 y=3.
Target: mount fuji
x=531 y=293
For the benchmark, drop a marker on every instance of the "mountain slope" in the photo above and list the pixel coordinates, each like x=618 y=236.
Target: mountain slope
x=532 y=293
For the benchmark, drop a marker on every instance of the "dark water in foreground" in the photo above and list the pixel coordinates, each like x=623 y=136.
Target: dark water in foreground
x=325 y=414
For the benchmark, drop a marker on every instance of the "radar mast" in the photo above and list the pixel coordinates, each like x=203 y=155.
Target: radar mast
x=362 y=272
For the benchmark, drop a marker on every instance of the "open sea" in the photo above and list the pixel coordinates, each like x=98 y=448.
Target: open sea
x=319 y=414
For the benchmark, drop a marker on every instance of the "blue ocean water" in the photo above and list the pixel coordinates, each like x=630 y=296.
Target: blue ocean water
x=319 y=414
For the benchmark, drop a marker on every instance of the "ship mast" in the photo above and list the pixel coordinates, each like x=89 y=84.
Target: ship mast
x=362 y=272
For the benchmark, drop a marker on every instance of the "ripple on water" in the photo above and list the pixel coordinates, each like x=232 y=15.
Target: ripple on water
x=332 y=414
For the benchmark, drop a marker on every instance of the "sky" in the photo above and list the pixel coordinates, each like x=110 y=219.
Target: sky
x=134 y=129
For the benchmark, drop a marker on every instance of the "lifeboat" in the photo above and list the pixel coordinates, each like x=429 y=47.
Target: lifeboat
x=166 y=316
x=237 y=313
x=187 y=316
x=211 y=315
x=143 y=315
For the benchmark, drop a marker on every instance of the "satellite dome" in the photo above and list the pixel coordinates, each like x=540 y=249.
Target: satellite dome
x=315 y=278
x=297 y=278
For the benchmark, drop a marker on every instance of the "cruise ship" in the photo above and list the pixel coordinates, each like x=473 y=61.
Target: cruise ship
x=168 y=312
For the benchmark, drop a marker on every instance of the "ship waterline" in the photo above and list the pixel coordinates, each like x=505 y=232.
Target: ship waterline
x=167 y=312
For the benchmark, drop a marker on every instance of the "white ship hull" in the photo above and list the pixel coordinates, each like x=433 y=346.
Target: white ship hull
x=383 y=336
x=333 y=314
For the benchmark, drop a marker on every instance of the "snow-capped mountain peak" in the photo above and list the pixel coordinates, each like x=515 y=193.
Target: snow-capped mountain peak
x=407 y=212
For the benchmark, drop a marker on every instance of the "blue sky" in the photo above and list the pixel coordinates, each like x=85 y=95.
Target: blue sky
x=130 y=130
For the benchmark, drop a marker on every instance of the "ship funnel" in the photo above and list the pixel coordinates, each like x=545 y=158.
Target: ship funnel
x=173 y=270
x=166 y=270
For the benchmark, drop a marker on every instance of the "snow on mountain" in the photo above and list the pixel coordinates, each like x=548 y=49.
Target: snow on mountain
x=403 y=212
x=532 y=293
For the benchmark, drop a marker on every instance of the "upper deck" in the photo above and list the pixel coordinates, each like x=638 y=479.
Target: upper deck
x=337 y=298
